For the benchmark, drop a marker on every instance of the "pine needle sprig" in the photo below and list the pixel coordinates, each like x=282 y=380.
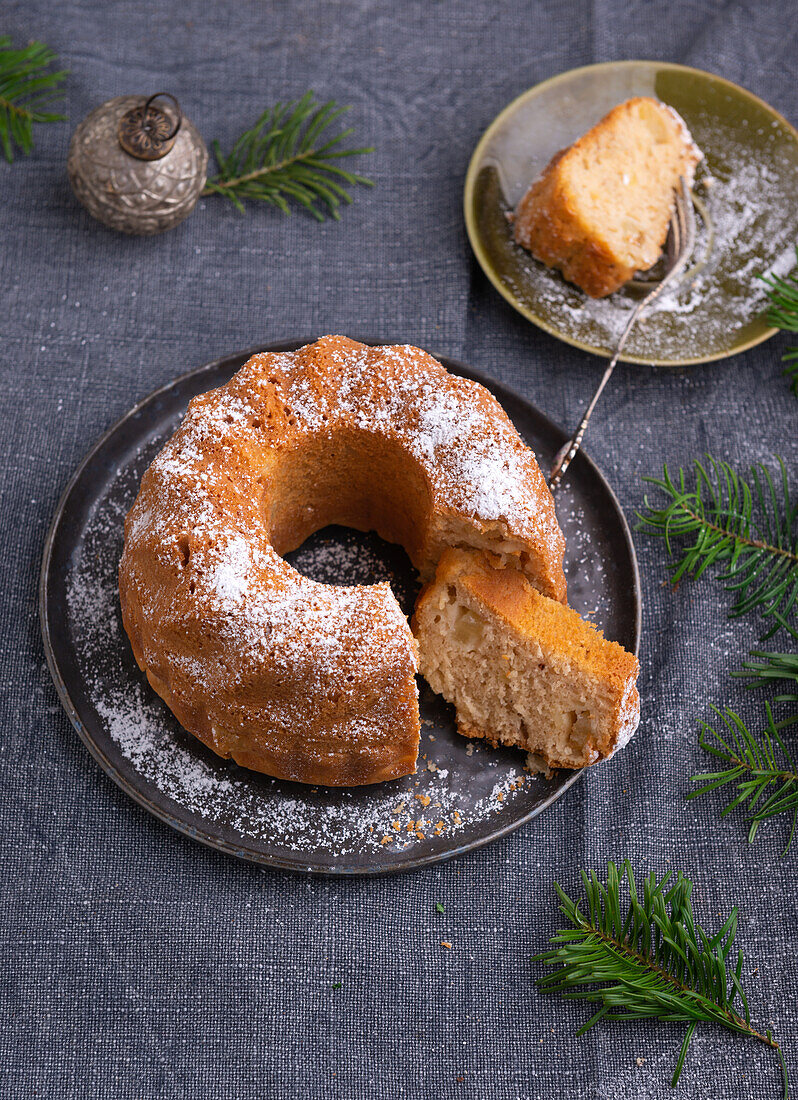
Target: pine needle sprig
x=783 y=314
x=769 y=669
x=288 y=156
x=760 y=770
x=647 y=958
x=25 y=90
x=749 y=528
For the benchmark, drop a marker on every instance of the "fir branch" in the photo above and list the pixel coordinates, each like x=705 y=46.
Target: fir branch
x=288 y=156
x=783 y=314
x=771 y=668
x=762 y=771
x=752 y=531
x=25 y=89
x=651 y=962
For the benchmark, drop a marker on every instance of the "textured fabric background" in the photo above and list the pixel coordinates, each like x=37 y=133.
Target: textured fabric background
x=135 y=963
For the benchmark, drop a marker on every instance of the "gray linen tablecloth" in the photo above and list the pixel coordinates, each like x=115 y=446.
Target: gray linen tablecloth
x=138 y=964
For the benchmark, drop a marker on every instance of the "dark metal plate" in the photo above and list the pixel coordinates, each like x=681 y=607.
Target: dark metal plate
x=464 y=795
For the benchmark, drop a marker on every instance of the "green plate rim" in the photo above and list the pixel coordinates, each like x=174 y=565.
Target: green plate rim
x=487 y=268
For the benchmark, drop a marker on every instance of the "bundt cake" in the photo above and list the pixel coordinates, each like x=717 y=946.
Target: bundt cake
x=520 y=668
x=600 y=210
x=301 y=680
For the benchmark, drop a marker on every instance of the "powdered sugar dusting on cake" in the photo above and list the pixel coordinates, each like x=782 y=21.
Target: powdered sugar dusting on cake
x=482 y=461
x=231 y=574
x=199 y=557
x=470 y=453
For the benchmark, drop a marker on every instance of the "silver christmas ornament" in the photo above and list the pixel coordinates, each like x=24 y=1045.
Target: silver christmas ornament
x=137 y=167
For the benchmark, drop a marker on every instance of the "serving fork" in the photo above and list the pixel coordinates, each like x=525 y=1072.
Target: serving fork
x=679 y=248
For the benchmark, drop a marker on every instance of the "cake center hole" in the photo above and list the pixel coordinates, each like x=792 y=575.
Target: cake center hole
x=344 y=556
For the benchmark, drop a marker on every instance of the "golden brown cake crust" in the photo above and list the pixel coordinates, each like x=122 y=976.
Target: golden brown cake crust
x=550 y=220
x=300 y=680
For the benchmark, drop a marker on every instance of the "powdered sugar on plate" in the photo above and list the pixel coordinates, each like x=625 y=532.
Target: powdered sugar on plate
x=258 y=808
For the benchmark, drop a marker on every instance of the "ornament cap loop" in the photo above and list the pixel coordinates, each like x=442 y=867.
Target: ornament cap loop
x=148 y=132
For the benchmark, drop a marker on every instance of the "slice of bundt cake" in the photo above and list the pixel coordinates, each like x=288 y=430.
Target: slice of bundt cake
x=523 y=669
x=600 y=210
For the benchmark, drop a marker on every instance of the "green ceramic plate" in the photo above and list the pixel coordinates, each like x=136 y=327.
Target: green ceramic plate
x=748 y=185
